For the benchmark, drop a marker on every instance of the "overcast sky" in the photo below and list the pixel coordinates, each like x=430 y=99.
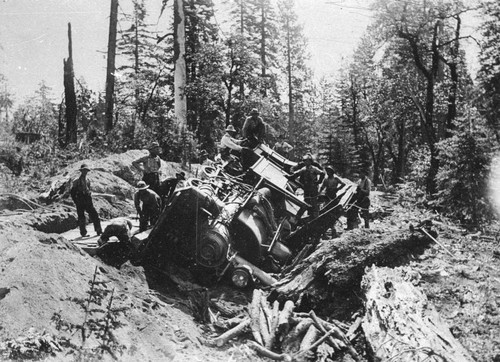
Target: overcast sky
x=33 y=38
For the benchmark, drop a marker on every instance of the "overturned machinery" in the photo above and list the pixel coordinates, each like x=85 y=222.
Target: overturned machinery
x=247 y=227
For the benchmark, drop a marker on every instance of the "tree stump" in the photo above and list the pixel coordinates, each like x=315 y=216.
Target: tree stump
x=401 y=324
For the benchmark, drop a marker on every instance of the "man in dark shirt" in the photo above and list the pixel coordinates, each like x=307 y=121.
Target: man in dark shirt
x=168 y=186
x=254 y=129
x=80 y=193
x=310 y=177
x=148 y=205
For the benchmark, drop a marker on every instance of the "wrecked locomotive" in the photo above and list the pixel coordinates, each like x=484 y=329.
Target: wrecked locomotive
x=247 y=227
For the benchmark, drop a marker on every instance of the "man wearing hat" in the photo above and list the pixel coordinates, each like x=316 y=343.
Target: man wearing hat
x=80 y=193
x=310 y=177
x=228 y=142
x=168 y=186
x=150 y=166
x=148 y=205
x=254 y=129
x=283 y=147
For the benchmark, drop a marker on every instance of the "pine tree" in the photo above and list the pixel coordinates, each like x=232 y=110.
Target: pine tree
x=489 y=73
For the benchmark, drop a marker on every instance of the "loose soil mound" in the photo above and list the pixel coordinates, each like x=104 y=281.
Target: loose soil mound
x=44 y=284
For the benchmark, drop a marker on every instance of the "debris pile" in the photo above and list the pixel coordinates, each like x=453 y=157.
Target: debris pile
x=286 y=335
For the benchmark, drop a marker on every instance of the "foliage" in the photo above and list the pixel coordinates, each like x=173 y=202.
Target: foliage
x=37 y=114
x=33 y=346
x=100 y=321
x=6 y=99
x=489 y=58
x=462 y=179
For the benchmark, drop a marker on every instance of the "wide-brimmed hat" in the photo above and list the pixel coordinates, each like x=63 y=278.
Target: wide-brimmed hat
x=84 y=167
x=254 y=111
x=141 y=185
x=180 y=175
x=230 y=128
x=154 y=145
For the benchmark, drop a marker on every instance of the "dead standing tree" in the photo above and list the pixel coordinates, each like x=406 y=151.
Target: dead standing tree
x=110 y=72
x=69 y=93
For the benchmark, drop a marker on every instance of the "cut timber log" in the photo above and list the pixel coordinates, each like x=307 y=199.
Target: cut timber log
x=234 y=332
x=338 y=265
x=285 y=316
x=269 y=354
x=255 y=316
x=401 y=324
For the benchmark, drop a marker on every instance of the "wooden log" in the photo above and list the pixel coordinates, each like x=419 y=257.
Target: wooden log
x=274 y=323
x=264 y=328
x=284 y=317
x=310 y=337
x=300 y=329
x=317 y=343
x=336 y=266
x=318 y=324
x=401 y=324
x=234 y=332
x=269 y=354
x=255 y=316
x=267 y=311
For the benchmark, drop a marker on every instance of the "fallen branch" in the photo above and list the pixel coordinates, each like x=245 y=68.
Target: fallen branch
x=317 y=343
x=234 y=332
x=423 y=231
x=269 y=354
x=337 y=333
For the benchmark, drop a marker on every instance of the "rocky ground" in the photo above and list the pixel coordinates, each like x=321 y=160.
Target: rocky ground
x=50 y=291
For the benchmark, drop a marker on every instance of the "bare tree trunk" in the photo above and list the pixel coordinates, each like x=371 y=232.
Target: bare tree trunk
x=291 y=111
x=263 y=48
x=110 y=77
x=69 y=93
x=180 y=105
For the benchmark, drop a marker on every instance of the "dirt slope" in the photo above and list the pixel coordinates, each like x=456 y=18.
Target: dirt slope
x=43 y=276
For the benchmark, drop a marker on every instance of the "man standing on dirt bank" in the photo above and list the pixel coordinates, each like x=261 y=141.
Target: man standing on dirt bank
x=80 y=193
x=150 y=165
x=254 y=129
x=150 y=209
x=308 y=177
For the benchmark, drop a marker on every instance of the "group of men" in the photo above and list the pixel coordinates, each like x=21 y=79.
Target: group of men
x=152 y=193
x=310 y=174
x=149 y=198
x=314 y=181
